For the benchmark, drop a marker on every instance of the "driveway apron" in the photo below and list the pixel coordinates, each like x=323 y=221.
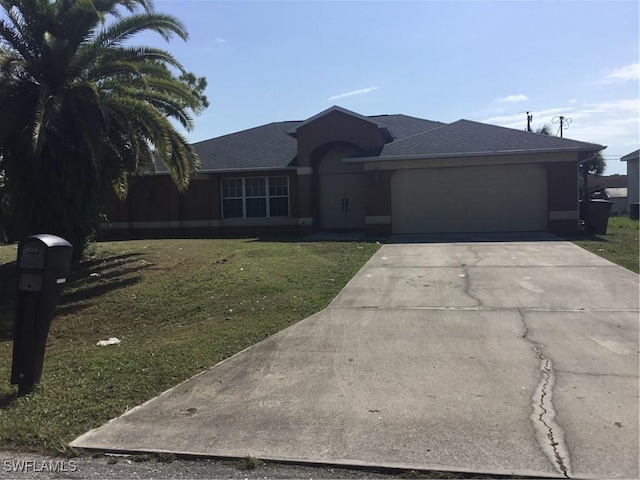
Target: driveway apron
x=443 y=353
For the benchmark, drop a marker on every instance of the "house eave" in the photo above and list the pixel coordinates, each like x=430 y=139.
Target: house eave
x=248 y=169
x=231 y=170
x=391 y=158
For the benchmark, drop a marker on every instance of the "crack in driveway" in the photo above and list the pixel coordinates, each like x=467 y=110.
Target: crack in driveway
x=467 y=278
x=548 y=432
x=467 y=287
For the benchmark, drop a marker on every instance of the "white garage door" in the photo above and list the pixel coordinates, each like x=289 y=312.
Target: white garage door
x=501 y=198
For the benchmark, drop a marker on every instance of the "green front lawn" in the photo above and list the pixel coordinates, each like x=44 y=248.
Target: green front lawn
x=178 y=307
x=619 y=245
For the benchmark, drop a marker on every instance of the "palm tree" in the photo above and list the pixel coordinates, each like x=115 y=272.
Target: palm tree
x=545 y=129
x=82 y=108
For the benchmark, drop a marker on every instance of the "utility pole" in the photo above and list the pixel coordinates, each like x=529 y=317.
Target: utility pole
x=562 y=120
x=561 y=125
x=529 y=118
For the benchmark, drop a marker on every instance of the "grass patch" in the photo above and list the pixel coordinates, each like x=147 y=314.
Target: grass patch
x=249 y=463
x=178 y=307
x=620 y=244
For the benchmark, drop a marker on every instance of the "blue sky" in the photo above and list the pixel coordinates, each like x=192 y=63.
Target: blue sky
x=489 y=61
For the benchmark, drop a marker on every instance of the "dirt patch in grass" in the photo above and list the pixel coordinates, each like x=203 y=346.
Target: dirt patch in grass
x=178 y=307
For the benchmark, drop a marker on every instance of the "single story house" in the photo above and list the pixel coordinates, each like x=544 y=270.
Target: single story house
x=633 y=177
x=618 y=199
x=612 y=188
x=382 y=174
x=607 y=181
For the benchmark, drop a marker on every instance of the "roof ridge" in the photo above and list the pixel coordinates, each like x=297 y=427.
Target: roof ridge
x=501 y=127
x=246 y=130
x=422 y=133
x=404 y=115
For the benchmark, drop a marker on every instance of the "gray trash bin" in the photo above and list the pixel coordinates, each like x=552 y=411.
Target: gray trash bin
x=597 y=215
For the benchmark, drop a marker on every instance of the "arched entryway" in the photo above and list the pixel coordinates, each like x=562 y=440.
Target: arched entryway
x=341 y=190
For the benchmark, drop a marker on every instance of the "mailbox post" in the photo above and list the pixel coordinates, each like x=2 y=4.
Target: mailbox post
x=44 y=262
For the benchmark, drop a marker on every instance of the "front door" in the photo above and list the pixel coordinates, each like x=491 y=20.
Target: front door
x=342 y=201
x=342 y=192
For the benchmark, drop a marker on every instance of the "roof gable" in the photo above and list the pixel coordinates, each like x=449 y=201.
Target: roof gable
x=293 y=130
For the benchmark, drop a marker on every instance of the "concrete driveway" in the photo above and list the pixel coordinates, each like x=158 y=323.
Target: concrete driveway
x=506 y=357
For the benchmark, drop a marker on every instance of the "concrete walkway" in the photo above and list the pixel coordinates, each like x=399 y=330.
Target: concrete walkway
x=495 y=357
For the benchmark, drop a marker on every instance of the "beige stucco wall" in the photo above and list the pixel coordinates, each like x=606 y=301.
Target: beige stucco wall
x=562 y=184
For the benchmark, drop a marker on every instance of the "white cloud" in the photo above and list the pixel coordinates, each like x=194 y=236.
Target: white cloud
x=353 y=92
x=626 y=106
x=630 y=72
x=514 y=98
x=221 y=40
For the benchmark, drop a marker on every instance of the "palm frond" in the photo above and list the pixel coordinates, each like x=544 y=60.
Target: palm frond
x=118 y=33
x=10 y=62
x=545 y=129
x=11 y=38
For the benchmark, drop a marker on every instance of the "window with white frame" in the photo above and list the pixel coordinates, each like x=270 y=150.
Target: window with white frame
x=255 y=197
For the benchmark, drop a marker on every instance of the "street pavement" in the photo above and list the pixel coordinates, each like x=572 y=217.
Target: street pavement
x=463 y=354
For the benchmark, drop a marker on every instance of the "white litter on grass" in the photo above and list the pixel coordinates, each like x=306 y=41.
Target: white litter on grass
x=111 y=341
x=94 y=275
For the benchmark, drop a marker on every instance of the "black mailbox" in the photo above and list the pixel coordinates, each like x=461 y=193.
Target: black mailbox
x=44 y=263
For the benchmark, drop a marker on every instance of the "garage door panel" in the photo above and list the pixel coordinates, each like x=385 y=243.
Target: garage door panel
x=505 y=198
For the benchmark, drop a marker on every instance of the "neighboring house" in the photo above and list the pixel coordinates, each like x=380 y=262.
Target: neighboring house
x=383 y=174
x=633 y=177
x=607 y=181
x=618 y=198
x=612 y=188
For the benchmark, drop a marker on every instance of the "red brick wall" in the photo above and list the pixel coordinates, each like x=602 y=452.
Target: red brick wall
x=562 y=190
x=378 y=192
x=156 y=199
x=201 y=201
x=562 y=195
x=153 y=199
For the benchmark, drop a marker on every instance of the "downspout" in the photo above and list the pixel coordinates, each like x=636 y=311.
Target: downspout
x=585 y=176
x=582 y=165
